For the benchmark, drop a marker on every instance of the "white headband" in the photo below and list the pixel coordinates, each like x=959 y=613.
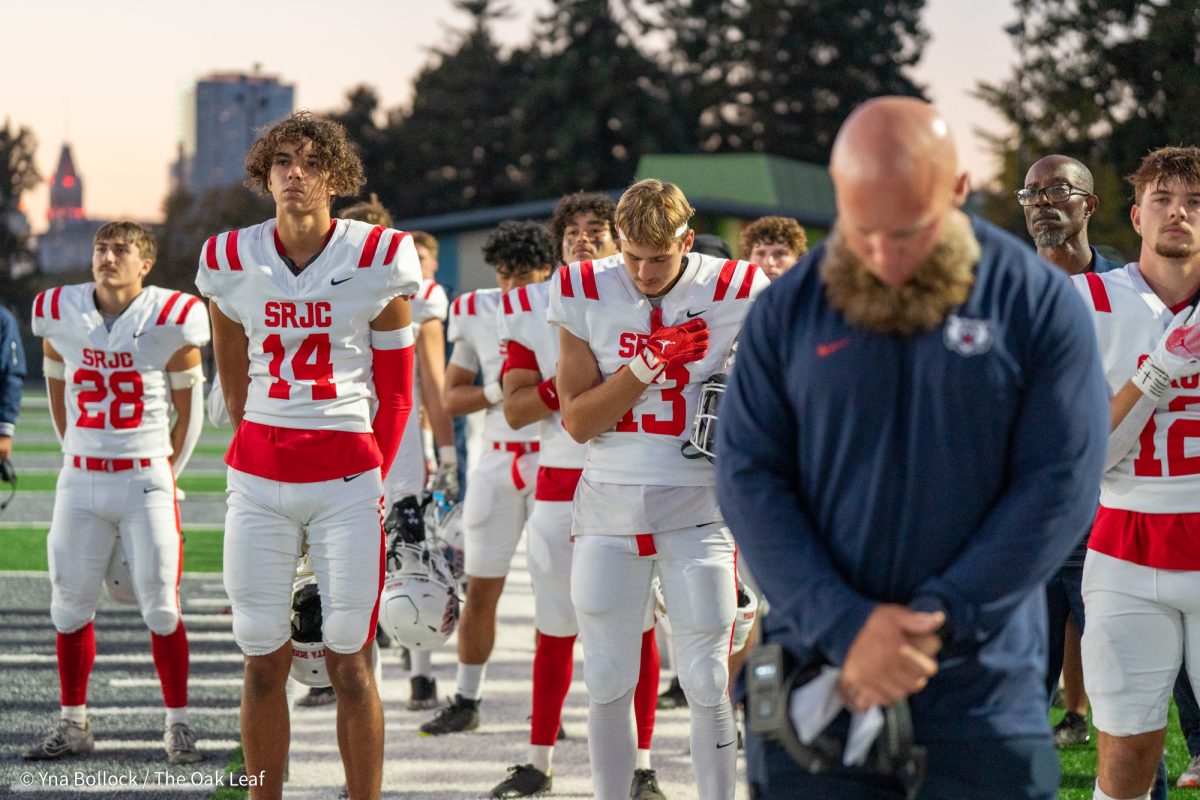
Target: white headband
x=680 y=231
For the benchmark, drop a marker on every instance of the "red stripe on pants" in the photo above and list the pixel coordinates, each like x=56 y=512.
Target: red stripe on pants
x=76 y=655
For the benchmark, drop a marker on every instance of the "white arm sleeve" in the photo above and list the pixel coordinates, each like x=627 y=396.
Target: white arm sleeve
x=1123 y=437
x=189 y=379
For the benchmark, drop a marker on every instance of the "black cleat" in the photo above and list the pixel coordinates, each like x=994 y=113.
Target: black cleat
x=423 y=694
x=1072 y=729
x=317 y=696
x=645 y=786
x=673 y=697
x=524 y=780
x=460 y=716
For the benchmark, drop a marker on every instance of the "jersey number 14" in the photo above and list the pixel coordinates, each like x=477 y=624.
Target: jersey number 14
x=310 y=363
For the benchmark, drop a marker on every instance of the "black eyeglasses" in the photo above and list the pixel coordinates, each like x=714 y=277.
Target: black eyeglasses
x=1055 y=194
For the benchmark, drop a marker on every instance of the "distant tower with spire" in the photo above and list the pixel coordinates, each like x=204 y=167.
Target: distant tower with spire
x=66 y=246
x=66 y=189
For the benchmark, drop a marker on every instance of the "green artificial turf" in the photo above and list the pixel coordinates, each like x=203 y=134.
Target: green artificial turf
x=45 y=481
x=25 y=549
x=1079 y=763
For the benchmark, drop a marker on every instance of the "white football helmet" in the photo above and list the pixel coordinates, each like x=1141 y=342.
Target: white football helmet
x=308 y=640
x=743 y=621
x=446 y=523
x=703 y=441
x=419 y=605
x=118 y=580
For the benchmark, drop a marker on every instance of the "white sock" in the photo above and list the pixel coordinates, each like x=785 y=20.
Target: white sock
x=643 y=760
x=421 y=663
x=77 y=714
x=1098 y=794
x=541 y=757
x=612 y=740
x=470 y=680
x=714 y=750
x=177 y=715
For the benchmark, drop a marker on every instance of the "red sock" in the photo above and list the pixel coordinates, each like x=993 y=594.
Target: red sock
x=171 y=662
x=76 y=654
x=645 y=696
x=553 y=663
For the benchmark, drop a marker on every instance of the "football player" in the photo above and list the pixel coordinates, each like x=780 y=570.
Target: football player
x=118 y=356
x=1141 y=577
x=639 y=332
x=311 y=322
x=499 y=494
x=774 y=243
x=584 y=226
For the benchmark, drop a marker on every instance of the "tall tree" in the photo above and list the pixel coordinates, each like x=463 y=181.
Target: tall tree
x=18 y=174
x=454 y=148
x=591 y=103
x=1104 y=81
x=189 y=221
x=780 y=76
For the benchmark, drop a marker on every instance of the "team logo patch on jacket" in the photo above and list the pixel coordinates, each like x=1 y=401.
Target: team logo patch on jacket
x=967 y=337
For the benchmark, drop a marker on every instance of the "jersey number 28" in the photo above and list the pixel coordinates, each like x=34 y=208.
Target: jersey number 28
x=125 y=409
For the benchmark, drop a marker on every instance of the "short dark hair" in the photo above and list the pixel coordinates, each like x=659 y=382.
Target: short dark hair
x=520 y=246
x=330 y=142
x=1164 y=164
x=580 y=203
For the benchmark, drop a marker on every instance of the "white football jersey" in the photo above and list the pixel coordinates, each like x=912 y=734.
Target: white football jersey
x=117 y=396
x=1161 y=473
x=310 y=337
x=430 y=302
x=523 y=320
x=599 y=303
x=473 y=321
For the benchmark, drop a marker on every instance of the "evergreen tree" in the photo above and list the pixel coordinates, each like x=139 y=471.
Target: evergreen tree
x=591 y=103
x=18 y=174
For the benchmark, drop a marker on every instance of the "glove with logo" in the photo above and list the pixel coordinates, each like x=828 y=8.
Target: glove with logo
x=1177 y=355
x=669 y=347
x=445 y=479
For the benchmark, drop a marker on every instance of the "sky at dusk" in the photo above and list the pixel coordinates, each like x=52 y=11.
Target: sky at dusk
x=110 y=77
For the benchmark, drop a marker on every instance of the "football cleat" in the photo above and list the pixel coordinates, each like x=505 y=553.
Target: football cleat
x=460 y=716
x=66 y=739
x=1072 y=729
x=180 y=744
x=317 y=696
x=1190 y=777
x=673 y=696
x=524 y=780
x=645 y=786
x=423 y=694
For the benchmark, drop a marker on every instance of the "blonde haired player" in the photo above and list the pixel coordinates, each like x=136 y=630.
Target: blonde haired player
x=118 y=357
x=311 y=330
x=639 y=332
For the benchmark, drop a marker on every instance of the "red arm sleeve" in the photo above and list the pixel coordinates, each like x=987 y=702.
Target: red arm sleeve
x=394 y=388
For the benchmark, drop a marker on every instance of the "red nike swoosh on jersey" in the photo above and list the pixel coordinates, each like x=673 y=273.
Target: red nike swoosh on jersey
x=829 y=349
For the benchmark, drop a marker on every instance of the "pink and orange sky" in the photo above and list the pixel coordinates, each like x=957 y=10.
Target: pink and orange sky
x=110 y=78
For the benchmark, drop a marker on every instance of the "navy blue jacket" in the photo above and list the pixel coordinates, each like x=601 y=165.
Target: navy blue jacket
x=955 y=467
x=12 y=371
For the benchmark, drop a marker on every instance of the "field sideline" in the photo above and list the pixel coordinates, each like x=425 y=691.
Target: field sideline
x=23 y=535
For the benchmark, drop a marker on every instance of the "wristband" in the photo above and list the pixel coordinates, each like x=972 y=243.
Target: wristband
x=646 y=367
x=549 y=393
x=447 y=455
x=186 y=379
x=397 y=339
x=494 y=393
x=1151 y=379
x=54 y=369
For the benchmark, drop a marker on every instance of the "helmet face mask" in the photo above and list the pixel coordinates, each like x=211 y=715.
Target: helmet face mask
x=445 y=522
x=703 y=441
x=118 y=580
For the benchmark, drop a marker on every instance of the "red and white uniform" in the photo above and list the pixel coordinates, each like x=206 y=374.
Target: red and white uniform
x=499 y=496
x=532 y=343
x=304 y=464
x=408 y=471
x=641 y=507
x=1142 y=575
x=116 y=479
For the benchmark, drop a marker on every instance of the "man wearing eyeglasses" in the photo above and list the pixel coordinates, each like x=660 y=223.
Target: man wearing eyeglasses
x=1058 y=202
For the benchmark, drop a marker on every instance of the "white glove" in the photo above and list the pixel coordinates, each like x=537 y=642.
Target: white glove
x=445 y=480
x=1177 y=355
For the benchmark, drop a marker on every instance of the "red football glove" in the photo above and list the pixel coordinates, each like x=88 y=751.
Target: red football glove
x=669 y=347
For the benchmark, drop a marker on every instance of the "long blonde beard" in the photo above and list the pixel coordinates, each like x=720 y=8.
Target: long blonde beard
x=942 y=282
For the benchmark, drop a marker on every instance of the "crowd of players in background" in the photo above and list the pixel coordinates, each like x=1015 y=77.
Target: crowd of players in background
x=608 y=319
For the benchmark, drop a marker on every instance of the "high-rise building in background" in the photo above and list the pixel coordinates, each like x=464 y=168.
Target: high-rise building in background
x=66 y=246
x=222 y=115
